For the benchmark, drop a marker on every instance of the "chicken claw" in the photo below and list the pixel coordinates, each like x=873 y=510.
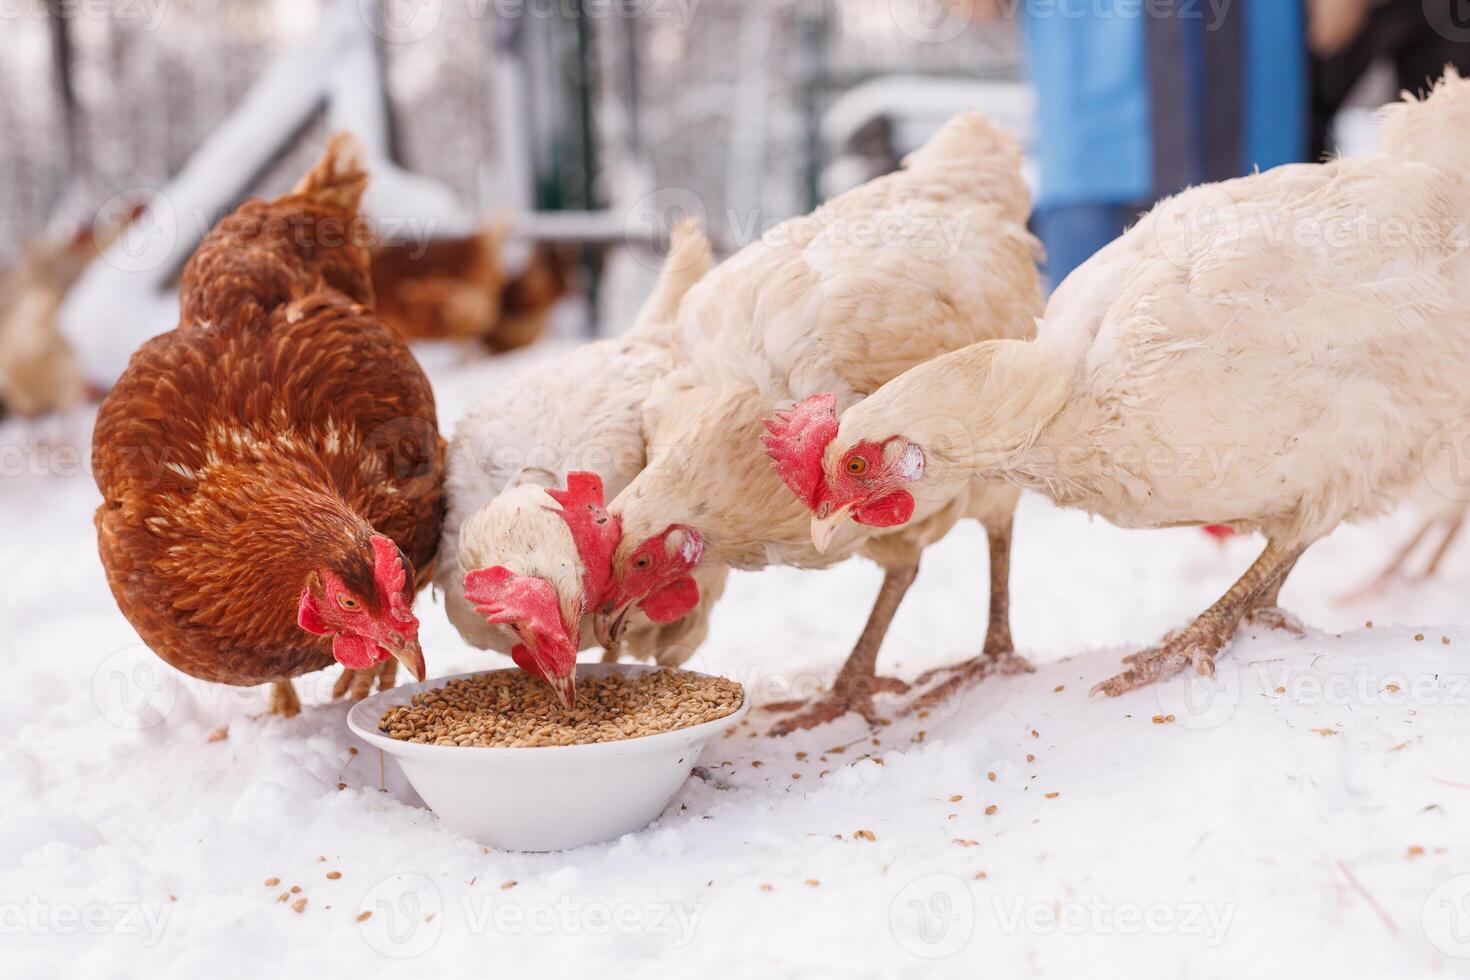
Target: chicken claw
x=852 y=695
x=358 y=684
x=1275 y=618
x=1200 y=641
x=1006 y=663
x=1166 y=660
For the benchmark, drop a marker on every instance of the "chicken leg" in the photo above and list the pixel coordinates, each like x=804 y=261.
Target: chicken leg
x=1450 y=524
x=857 y=681
x=284 y=702
x=998 y=656
x=358 y=684
x=1267 y=612
x=1201 y=640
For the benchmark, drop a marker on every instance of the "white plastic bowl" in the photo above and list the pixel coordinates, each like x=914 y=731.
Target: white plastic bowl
x=543 y=798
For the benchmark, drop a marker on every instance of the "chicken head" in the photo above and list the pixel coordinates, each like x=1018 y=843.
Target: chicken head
x=654 y=575
x=365 y=606
x=530 y=607
x=865 y=481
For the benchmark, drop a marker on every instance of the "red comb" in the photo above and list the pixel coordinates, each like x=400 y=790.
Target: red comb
x=595 y=532
x=486 y=590
x=796 y=441
x=502 y=596
x=389 y=574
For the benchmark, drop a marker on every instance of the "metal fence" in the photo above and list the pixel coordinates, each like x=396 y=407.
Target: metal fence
x=719 y=97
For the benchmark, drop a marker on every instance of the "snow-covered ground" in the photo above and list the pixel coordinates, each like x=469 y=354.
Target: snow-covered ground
x=1307 y=814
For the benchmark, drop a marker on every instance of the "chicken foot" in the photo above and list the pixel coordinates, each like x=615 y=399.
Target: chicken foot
x=857 y=682
x=358 y=684
x=284 y=702
x=1201 y=640
x=998 y=656
x=1450 y=525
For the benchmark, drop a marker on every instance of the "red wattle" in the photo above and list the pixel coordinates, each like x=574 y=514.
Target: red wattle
x=889 y=511
x=524 y=659
x=353 y=652
x=673 y=601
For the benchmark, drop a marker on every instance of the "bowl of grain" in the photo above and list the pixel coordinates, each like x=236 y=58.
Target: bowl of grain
x=499 y=759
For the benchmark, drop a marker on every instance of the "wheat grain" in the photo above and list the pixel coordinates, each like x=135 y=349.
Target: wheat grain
x=514 y=709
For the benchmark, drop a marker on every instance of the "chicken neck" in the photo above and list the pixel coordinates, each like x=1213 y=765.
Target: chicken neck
x=703 y=474
x=984 y=410
x=272 y=532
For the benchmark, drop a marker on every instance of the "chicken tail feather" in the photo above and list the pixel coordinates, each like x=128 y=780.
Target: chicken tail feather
x=690 y=257
x=340 y=177
x=1432 y=129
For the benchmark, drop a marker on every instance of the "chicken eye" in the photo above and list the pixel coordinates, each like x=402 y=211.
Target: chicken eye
x=348 y=603
x=642 y=562
x=857 y=466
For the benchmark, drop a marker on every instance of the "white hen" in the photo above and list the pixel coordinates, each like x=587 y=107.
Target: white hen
x=581 y=413
x=1278 y=353
x=906 y=267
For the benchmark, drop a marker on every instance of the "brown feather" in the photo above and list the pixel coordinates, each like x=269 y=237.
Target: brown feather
x=264 y=439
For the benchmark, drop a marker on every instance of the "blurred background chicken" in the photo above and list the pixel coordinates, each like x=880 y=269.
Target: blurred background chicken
x=459 y=288
x=271 y=471
x=818 y=306
x=527 y=538
x=39 y=373
x=1320 y=374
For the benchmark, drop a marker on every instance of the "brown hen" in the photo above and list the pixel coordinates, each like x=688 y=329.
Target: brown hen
x=458 y=288
x=271 y=470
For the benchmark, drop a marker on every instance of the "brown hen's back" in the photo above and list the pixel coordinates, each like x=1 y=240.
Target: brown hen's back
x=266 y=437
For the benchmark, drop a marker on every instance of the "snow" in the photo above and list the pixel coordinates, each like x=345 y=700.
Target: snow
x=1274 y=826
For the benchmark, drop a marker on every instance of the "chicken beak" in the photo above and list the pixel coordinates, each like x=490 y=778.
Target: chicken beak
x=823 y=528
x=407 y=652
x=609 y=627
x=565 y=688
